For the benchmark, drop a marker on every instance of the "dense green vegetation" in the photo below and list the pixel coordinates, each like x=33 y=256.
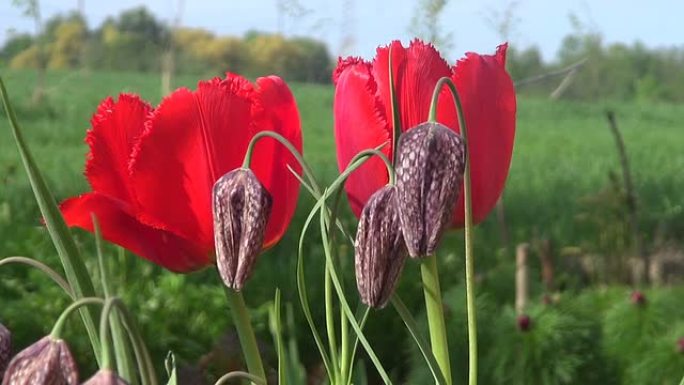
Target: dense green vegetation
x=559 y=188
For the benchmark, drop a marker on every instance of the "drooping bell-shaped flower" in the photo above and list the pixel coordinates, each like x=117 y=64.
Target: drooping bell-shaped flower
x=46 y=362
x=379 y=248
x=363 y=115
x=241 y=207
x=430 y=164
x=105 y=377
x=5 y=348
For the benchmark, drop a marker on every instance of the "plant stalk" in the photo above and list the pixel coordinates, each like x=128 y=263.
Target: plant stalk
x=435 y=314
x=245 y=333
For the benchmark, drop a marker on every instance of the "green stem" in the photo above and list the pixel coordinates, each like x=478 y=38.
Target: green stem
x=142 y=355
x=237 y=374
x=435 y=315
x=467 y=202
x=289 y=146
x=42 y=267
x=104 y=335
x=352 y=355
x=61 y=321
x=124 y=361
x=245 y=333
x=330 y=323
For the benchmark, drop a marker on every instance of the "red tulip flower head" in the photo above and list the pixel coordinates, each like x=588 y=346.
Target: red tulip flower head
x=152 y=170
x=363 y=115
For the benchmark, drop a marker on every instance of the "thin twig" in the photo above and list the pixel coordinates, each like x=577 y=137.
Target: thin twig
x=563 y=71
x=630 y=194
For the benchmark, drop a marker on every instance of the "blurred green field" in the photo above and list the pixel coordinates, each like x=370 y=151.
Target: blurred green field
x=564 y=153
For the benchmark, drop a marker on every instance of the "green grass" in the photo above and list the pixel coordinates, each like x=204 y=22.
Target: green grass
x=564 y=151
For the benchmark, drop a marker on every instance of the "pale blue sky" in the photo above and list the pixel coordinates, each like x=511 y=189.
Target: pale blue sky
x=657 y=23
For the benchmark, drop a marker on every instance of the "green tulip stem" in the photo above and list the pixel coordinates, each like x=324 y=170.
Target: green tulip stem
x=245 y=333
x=468 y=231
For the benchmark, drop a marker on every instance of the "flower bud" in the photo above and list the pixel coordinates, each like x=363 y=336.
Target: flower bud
x=5 y=348
x=430 y=164
x=524 y=322
x=638 y=298
x=105 y=377
x=241 y=208
x=379 y=248
x=46 y=362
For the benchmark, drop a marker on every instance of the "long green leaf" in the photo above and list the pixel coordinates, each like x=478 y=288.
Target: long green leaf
x=74 y=268
x=423 y=345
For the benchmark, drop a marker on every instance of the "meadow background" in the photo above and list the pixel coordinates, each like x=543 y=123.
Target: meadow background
x=564 y=197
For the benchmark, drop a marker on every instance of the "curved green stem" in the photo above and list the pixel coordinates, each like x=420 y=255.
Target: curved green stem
x=340 y=293
x=245 y=333
x=237 y=374
x=467 y=201
x=289 y=146
x=354 y=164
x=61 y=321
x=42 y=267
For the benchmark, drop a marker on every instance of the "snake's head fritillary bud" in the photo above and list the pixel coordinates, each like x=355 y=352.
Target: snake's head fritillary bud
x=638 y=298
x=524 y=322
x=379 y=248
x=241 y=206
x=105 y=377
x=46 y=362
x=5 y=348
x=430 y=164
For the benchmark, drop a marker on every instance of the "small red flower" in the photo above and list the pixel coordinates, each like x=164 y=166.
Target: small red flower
x=363 y=116
x=152 y=170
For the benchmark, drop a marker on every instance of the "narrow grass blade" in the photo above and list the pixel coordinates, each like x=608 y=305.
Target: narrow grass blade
x=74 y=267
x=423 y=345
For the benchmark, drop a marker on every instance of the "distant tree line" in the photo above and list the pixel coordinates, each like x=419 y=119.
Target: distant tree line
x=613 y=71
x=135 y=41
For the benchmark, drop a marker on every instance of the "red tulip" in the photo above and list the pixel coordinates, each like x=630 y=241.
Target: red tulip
x=152 y=170
x=363 y=115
